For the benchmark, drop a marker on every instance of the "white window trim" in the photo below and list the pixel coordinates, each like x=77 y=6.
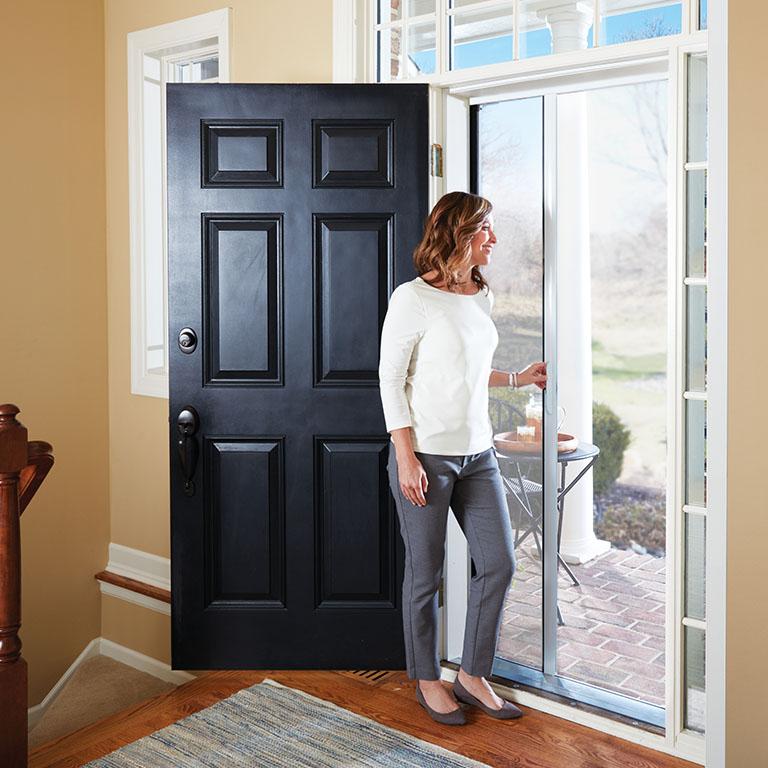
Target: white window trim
x=556 y=67
x=185 y=31
x=345 y=39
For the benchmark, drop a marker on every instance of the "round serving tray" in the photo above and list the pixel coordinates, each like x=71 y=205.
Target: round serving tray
x=507 y=442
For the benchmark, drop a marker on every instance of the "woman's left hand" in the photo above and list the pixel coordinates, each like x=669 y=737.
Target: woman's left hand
x=535 y=373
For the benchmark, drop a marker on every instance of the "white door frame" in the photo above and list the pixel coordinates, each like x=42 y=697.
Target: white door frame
x=457 y=570
x=353 y=53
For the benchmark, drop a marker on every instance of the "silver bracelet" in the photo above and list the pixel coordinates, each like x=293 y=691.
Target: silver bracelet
x=513 y=380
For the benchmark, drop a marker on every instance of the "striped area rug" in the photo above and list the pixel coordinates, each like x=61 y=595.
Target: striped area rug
x=270 y=724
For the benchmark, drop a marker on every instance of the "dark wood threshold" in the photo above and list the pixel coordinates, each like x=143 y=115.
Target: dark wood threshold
x=134 y=585
x=537 y=739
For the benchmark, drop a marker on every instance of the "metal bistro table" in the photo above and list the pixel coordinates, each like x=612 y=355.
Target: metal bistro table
x=523 y=489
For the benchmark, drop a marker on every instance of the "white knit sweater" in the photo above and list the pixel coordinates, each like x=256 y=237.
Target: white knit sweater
x=435 y=360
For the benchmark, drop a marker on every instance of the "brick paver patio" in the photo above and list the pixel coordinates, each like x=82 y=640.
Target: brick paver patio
x=613 y=635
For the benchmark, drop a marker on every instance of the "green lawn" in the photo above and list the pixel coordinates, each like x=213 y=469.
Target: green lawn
x=635 y=389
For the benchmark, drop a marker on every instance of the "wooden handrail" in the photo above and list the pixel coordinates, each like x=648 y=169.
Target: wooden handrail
x=39 y=461
x=23 y=467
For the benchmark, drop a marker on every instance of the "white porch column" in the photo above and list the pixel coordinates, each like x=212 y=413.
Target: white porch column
x=569 y=24
x=574 y=311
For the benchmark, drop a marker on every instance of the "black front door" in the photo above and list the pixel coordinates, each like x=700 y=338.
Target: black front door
x=293 y=211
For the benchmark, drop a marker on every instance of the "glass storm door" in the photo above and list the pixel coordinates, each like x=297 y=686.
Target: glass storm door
x=578 y=183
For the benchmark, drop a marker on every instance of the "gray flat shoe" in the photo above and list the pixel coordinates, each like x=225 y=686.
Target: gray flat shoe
x=507 y=711
x=454 y=717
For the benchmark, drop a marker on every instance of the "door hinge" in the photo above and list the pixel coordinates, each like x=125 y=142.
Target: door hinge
x=437 y=160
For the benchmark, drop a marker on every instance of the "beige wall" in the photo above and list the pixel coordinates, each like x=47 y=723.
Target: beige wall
x=57 y=294
x=136 y=627
x=260 y=53
x=273 y=41
x=747 y=577
x=53 y=315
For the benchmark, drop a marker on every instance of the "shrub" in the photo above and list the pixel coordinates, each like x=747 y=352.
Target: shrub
x=612 y=437
x=632 y=515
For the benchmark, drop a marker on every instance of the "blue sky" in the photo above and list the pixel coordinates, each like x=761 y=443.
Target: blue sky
x=537 y=42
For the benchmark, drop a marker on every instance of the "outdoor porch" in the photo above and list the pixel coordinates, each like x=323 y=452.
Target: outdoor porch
x=613 y=634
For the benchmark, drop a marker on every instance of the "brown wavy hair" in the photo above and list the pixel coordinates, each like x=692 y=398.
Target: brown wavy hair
x=446 y=243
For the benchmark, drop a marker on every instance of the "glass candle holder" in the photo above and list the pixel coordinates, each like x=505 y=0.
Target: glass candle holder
x=526 y=434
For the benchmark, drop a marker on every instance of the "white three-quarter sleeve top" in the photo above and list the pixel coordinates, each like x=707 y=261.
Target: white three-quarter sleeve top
x=435 y=360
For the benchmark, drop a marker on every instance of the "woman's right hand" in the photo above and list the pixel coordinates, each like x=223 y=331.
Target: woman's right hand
x=413 y=479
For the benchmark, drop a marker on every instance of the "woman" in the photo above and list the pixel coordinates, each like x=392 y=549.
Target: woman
x=437 y=344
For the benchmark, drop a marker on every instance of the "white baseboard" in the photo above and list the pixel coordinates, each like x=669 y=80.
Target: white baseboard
x=100 y=646
x=121 y=593
x=141 y=566
x=158 y=669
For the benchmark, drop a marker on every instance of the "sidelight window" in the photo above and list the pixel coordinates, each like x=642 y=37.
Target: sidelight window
x=192 y=50
x=693 y=286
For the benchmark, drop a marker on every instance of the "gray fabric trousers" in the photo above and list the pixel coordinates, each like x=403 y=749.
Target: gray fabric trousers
x=471 y=485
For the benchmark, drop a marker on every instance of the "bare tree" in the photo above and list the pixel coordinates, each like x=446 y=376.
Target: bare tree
x=650 y=116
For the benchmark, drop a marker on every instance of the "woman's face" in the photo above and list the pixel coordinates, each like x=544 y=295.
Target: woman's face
x=482 y=243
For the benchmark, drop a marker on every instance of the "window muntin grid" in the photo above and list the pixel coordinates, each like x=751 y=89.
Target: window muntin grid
x=452 y=35
x=694 y=296
x=406 y=39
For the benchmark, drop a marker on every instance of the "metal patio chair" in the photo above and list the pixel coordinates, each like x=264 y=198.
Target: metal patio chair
x=524 y=493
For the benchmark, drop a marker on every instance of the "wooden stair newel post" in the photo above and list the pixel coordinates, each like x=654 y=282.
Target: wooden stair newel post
x=13 y=668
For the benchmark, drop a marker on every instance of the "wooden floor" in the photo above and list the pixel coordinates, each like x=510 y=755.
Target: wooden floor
x=536 y=740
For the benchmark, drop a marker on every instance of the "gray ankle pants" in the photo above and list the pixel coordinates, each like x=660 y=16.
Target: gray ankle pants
x=471 y=486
